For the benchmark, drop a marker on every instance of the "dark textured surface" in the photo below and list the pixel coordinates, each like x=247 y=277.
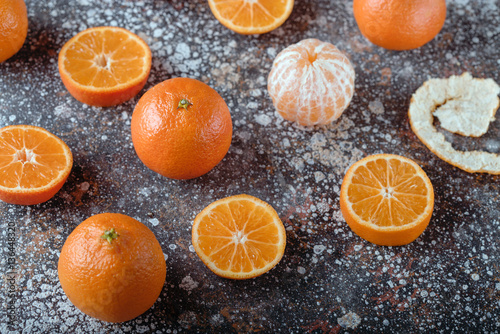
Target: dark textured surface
x=329 y=280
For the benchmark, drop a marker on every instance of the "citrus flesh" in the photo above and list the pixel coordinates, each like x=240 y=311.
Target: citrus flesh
x=387 y=199
x=239 y=237
x=251 y=16
x=34 y=164
x=104 y=66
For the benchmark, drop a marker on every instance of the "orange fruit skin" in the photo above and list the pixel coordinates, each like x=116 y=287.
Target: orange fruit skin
x=382 y=237
x=396 y=237
x=26 y=196
x=181 y=143
x=400 y=24
x=117 y=281
x=103 y=97
x=13 y=27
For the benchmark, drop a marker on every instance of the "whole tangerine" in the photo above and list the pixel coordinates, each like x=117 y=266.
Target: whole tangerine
x=13 y=27
x=112 y=267
x=400 y=24
x=181 y=128
x=311 y=82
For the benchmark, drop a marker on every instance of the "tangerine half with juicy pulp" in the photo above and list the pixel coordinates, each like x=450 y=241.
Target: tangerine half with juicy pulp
x=112 y=267
x=311 y=82
x=387 y=199
x=181 y=128
x=34 y=164
x=251 y=16
x=400 y=24
x=13 y=27
x=104 y=66
x=239 y=237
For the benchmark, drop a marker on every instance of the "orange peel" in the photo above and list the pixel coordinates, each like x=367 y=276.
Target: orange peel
x=464 y=105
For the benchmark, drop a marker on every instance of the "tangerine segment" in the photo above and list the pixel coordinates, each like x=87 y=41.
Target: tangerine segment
x=34 y=164
x=387 y=199
x=239 y=237
x=251 y=16
x=311 y=82
x=104 y=66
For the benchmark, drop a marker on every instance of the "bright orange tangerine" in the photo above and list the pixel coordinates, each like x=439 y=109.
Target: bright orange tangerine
x=387 y=199
x=104 y=66
x=13 y=27
x=181 y=128
x=112 y=267
x=239 y=237
x=251 y=16
x=34 y=164
x=400 y=24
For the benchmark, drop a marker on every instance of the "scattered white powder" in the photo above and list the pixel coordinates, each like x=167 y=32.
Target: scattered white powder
x=188 y=283
x=350 y=320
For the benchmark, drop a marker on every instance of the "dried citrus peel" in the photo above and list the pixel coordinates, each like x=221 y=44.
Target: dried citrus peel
x=463 y=105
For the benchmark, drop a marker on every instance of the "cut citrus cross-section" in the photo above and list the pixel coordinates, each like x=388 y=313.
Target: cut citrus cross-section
x=34 y=164
x=104 y=66
x=251 y=16
x=387 y=199
x=239 y=237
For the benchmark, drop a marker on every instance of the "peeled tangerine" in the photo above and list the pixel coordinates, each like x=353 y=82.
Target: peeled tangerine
x=311 y=82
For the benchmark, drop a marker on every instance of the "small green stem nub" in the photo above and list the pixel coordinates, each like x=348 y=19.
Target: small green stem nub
x=110 y=235
x=184 y=104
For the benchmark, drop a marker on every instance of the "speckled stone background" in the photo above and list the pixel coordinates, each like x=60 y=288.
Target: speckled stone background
x=329 y=280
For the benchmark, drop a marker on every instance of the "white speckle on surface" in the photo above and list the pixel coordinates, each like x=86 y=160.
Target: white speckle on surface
x=12 y=118
x=154 y=221
x=319 y=176
x=157 y=32
x=188 y=283
x=318 y=249
x=182 y=51
x=376 y=107
x=263 y=119
x=84 y=186
x=350 y=320
x=301 y=270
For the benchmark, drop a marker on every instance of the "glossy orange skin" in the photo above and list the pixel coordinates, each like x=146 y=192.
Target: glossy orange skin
x=115 y=281
x=106 y=98
x=13 y=27
x=181 y=143
x=400 y=24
